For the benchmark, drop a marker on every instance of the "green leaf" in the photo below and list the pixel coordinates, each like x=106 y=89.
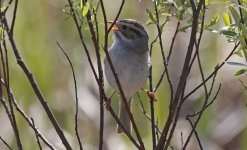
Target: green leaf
x=162 y=25
x=242 y=42
x=151 y=16
x=81 y=4
x=226 y=19
x=149 y=21
x=238 y=53
x=214 y=20
x=212 y=30
x=4 y=8
x=228 y=33
x=236 y=64
x=183 y=29
x=244 y=30
x=241 y=71
x=85 y=9
x=235 y=14
x=166 y=14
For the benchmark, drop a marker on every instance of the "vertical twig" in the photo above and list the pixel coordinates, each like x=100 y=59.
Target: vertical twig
x=95 y=75
x=95 y=40
x=213 y=73
x=14 y=17
x=173 y=41
x=196 y=134
x=182 y=81
x=6 y=77
x=37 y=135
x=22 y=113
x=114 y=72
x=205 y=106
x=151 y=101
x=82 y=40
x=76 y=96
x=35 y=86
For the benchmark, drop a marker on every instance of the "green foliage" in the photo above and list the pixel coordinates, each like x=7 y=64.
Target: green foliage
x=85 y=9
x=236 y=31
x=227 y=19
x=213 y=21
x=240 y=72
x=236 y=64
x=234 y=14
x=169 y=9
x=151 y=17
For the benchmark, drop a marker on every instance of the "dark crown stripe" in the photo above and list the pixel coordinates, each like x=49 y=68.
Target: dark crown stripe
x=135 y=23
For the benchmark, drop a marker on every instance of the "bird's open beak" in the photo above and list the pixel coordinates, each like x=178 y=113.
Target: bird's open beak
x=114 y=28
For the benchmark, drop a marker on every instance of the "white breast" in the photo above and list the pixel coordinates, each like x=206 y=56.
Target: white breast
x=132 y=69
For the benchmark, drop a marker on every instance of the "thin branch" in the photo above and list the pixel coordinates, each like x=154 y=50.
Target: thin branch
x=182 y=139
x=6 y=108
x=82 y=40
x=199 y=117
x=142 y=109
x=151 y=101
x=123 y=127
x=6 y=78
x=114 y=72
x=100 y=74
x=95 y=75
x=76 y=96
x=212 y=74
x=35 y=87
x=28 y=120
x=173 y=41
x=197 y=44
x=37 y=135
x=196 y=134
x=5 y=143
x=181 y=85
x=14 y=17
x=169 y=54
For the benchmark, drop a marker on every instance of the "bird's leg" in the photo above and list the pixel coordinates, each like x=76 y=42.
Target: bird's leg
x=151 y=95
x=108 y=102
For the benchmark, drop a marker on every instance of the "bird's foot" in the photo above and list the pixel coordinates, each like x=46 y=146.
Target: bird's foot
x=108 y=102
x=151 y=95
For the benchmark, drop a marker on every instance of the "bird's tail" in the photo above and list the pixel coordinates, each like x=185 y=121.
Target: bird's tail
x=124 y=117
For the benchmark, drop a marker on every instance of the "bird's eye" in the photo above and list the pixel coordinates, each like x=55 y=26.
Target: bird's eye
x=124 y=27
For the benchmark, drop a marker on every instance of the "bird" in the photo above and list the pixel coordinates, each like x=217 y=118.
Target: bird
x=129 y=54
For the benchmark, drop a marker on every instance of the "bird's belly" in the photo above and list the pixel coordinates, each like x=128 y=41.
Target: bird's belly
x=132 y=72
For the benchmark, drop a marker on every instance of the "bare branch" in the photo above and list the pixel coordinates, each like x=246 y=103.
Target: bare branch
x=181 y=85
x=215 y=70
x=5 y=143
x=205 y=106
x=76 y=96
x=113 y=69
x=35 y=86
x=37 y=135
x=173 y=41
x=196 y=134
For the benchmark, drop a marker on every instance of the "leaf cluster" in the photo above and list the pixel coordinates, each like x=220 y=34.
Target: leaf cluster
x=235 y=30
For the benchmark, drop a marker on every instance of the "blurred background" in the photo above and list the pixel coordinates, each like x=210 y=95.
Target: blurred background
x=42 y=23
